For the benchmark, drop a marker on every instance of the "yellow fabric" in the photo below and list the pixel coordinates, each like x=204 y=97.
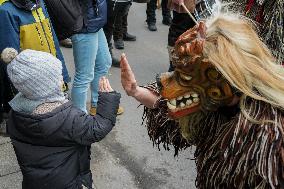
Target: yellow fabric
x=120 y=110
x=38 y=14
x=37 y=36
x=3 y=1
x=93 y=111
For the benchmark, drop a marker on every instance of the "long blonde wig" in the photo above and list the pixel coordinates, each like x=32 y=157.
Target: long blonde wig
x=233 y=46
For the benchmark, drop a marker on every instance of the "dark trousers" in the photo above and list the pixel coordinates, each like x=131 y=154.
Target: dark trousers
x=7 y=90
x=116 y=20
x=151 y=10
x=1 y=92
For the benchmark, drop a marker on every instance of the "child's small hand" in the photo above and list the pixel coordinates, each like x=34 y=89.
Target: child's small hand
x=104 y=85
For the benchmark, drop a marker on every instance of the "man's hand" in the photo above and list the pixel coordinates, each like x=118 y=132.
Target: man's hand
x=176 y=5
x=179 y=2
x=128 y=80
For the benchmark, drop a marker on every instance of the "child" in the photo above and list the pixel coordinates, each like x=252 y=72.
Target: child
x=51 y=138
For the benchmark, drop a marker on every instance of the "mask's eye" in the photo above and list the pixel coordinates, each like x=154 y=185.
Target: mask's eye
x=185 y=77
x=214 y=92
x=213 y=74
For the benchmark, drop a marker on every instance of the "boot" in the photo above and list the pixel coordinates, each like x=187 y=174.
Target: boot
x=115 y=62
x=167 y=20
x=3 y=131
x=152 y=26
x=129 y=37
x=119 y=44
x=67 y=43
x=151 y=15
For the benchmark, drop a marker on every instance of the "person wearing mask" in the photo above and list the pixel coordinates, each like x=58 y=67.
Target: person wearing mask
x=117 y=26
x=83 y=22
x=25 y=25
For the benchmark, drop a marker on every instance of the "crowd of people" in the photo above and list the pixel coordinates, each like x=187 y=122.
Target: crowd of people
x=52 y=131
x=34 y=82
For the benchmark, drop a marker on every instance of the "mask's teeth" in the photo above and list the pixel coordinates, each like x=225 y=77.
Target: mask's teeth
x=187 y=96
x=170 y=106
x=179 y=98
x=196 y=99
x=182 y=105
x=173 y=102
x=194 y=95
x=188 y=102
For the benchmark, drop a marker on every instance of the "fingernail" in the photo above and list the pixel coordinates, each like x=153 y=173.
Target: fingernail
x=123 y=55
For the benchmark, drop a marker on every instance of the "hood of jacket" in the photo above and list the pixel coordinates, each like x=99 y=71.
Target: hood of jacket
x=26 y=4
x=39 y=126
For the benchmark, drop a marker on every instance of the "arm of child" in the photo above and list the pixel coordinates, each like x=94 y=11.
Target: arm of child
x=88 y=129
x=129 y=84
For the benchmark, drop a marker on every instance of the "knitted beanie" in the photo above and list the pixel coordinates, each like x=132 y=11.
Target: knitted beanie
x=35 y=74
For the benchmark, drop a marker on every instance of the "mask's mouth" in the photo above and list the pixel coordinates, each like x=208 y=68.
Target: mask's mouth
x=183 y=105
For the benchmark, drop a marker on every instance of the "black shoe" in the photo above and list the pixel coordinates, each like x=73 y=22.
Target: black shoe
x=167 y=21
x=119 y=44
x=67 y=43
x=115 y=62
x=129 y=37
x=3 y=131
x=152 y=27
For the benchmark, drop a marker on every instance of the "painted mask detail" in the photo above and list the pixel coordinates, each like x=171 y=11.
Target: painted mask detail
x=195 y=85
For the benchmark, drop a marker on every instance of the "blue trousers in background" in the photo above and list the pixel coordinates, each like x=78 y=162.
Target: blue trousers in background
x=92 y=61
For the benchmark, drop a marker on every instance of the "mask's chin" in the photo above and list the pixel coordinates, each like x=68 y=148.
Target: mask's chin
x=183 y=112
x=190 y=125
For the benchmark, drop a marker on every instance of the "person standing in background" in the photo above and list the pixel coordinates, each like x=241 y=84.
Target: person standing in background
x=25 y=25
x=180 y=23
x=83 y=22
x=151 y=14
x=117 y=25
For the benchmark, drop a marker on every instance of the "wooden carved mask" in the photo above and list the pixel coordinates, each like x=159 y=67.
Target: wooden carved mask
x=195 y=84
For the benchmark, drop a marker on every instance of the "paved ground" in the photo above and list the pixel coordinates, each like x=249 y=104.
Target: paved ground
x=126 y=159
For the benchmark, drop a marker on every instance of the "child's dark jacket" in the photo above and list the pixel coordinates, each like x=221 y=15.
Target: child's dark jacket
x=53 y=149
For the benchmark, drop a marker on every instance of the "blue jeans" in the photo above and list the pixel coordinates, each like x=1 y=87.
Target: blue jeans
x=92 y=61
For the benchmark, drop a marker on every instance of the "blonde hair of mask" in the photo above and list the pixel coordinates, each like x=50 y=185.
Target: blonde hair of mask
x=235 y=49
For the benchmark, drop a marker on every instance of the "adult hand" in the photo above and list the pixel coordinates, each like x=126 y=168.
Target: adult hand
x=179 y=2
x=176 y=5
x=104 y=85
x=128 y=80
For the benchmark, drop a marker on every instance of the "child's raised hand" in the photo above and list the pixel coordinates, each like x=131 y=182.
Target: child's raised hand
x=104 y=85
x=128 y=80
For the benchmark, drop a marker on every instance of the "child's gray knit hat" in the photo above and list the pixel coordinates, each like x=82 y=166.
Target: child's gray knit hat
x=37 y=75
